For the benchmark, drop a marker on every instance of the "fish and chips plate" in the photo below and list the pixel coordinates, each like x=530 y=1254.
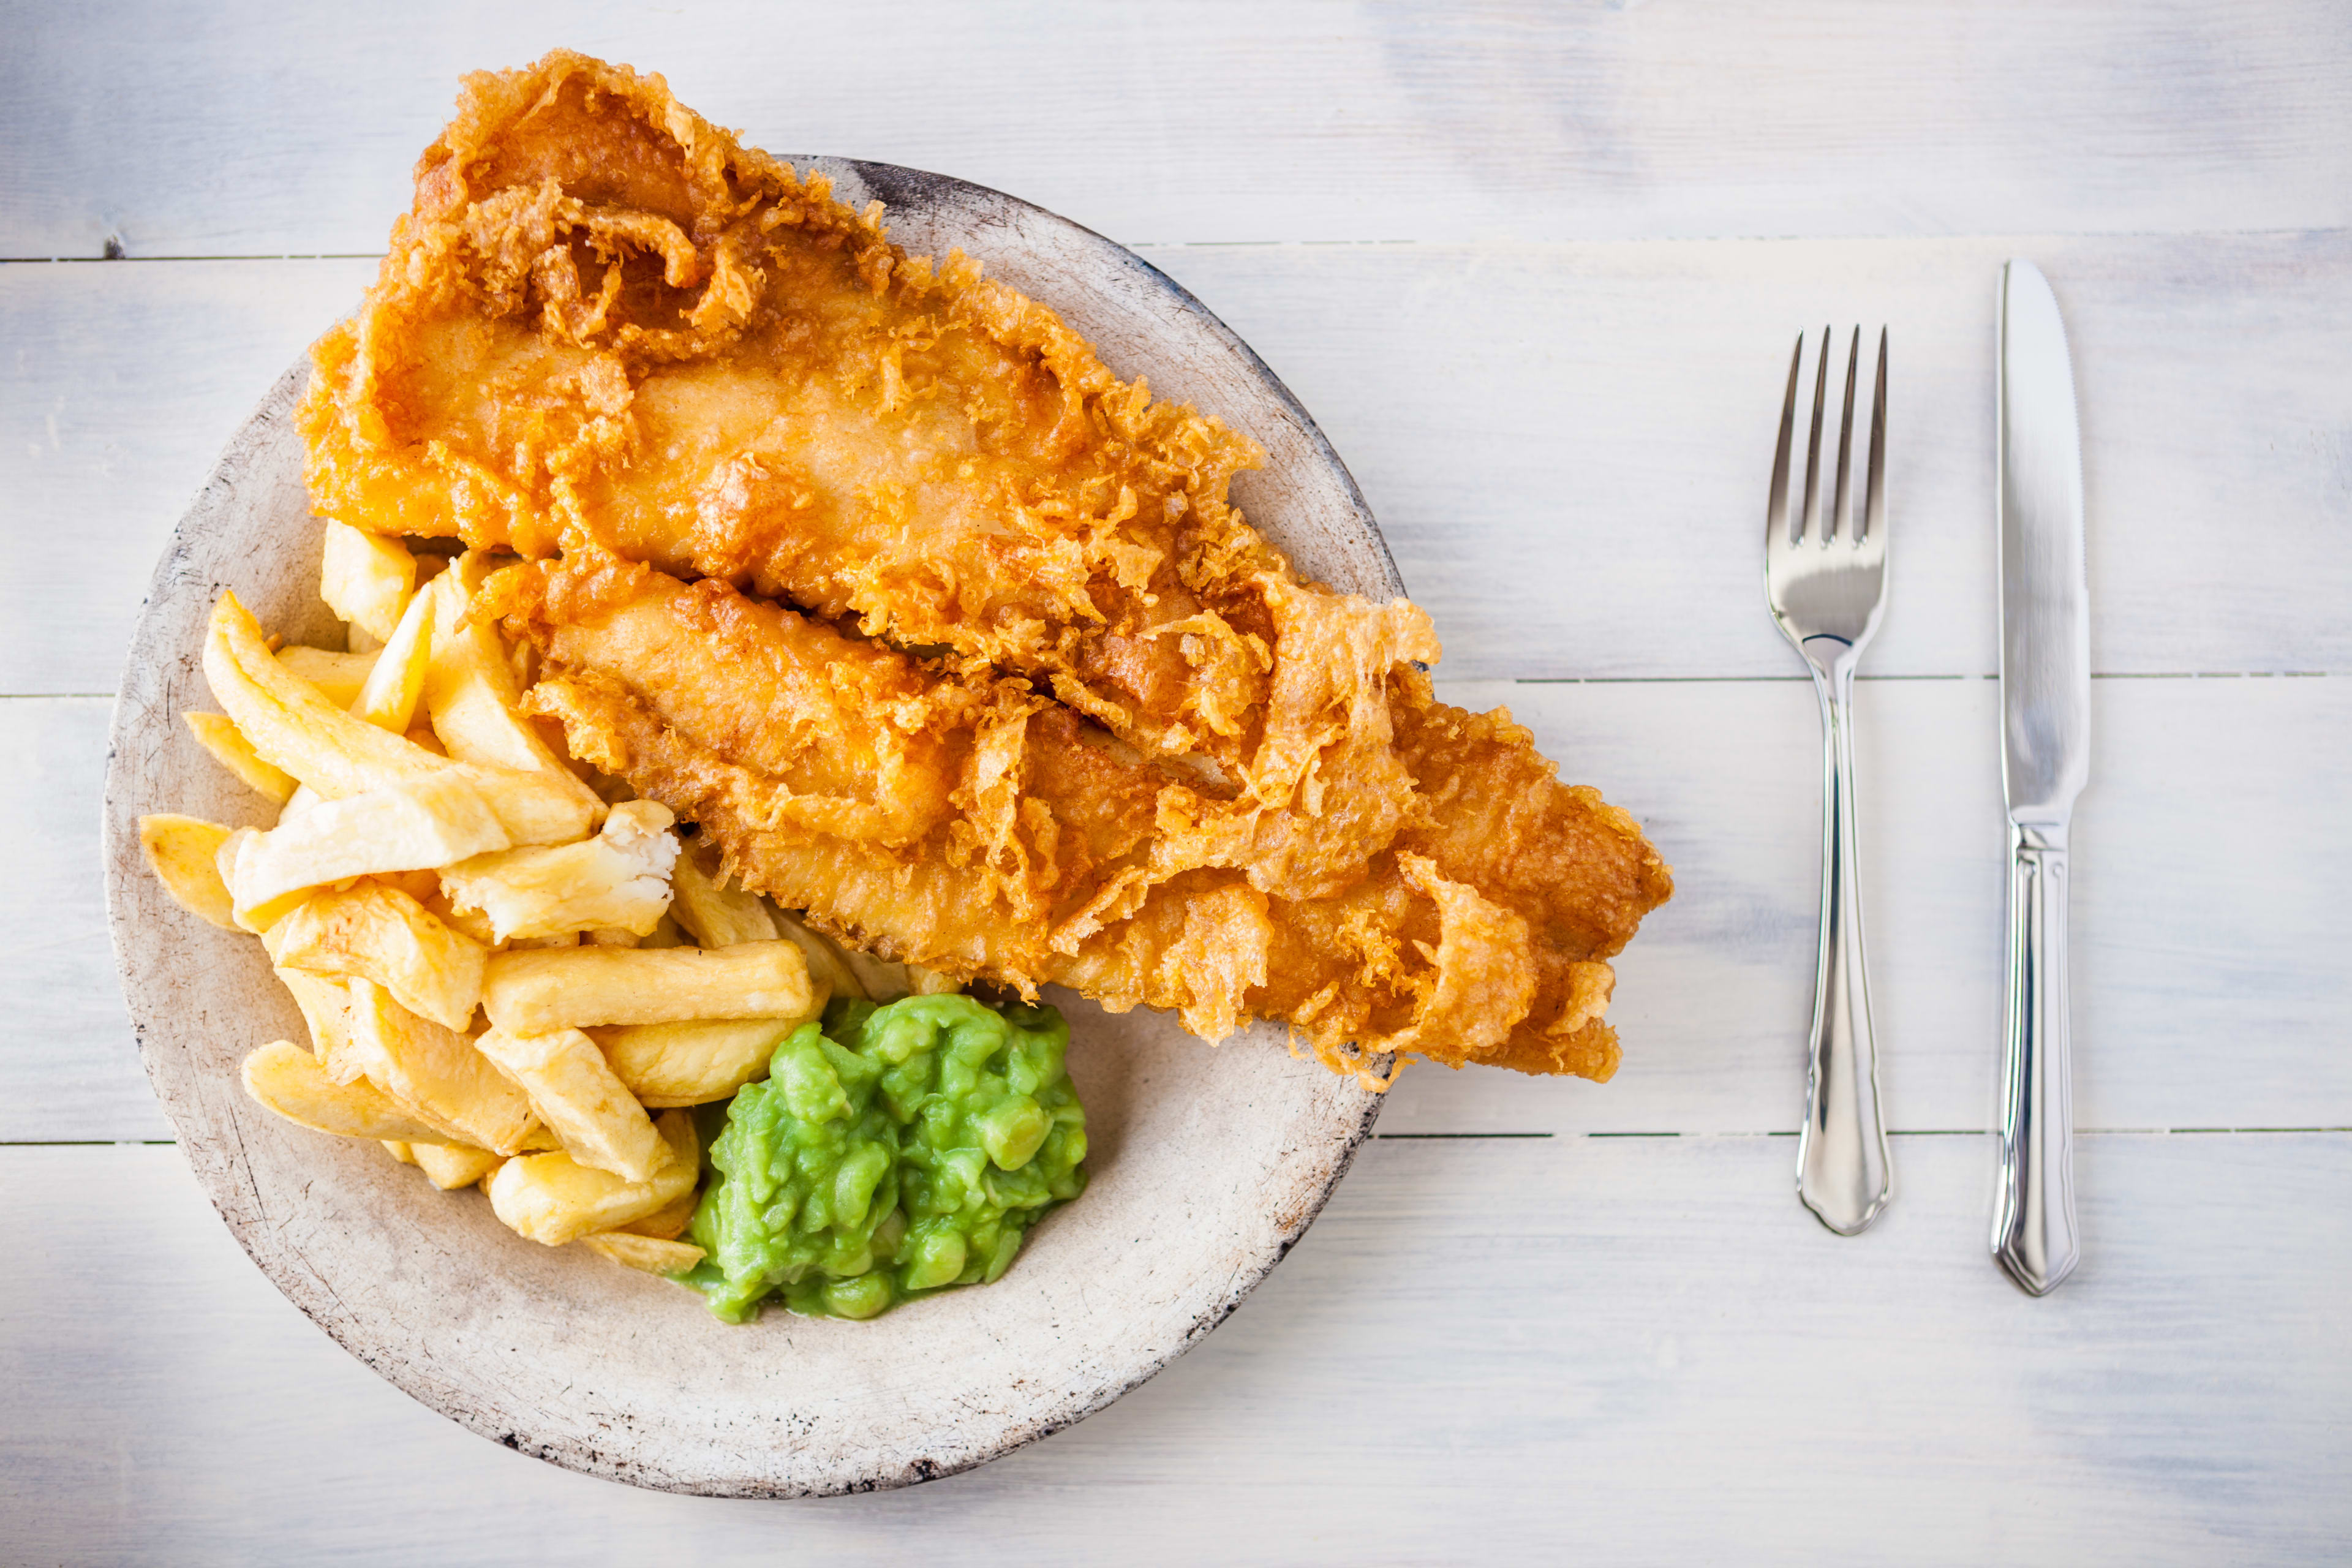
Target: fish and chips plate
x=777 y=824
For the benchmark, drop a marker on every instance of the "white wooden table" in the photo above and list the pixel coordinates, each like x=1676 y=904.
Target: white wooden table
x=1535 y=271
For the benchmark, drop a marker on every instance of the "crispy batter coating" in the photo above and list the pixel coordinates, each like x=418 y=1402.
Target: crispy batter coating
x=606 y=321
x=969 y=824
x=940 y=630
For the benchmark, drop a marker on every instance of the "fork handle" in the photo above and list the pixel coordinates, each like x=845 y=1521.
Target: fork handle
x=1843 y=1174
x=2033 y=1236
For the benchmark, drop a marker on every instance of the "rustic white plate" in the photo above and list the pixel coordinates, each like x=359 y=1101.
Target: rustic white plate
x=1206 y=1164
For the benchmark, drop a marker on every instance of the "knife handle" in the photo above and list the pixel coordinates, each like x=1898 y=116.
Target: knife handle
x=2033 y=1234
x=1843 y=1174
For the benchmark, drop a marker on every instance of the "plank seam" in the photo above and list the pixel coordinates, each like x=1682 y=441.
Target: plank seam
x=2322 y=231
x=1801 y=679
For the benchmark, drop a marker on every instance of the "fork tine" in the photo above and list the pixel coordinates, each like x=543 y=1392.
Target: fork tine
x=1873 y=494
x=1811 y=525
x=1840 y=504
x=1776 y=508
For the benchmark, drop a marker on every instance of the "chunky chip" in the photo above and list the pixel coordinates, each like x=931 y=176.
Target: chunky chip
x=592 y=1112
x=644 y=1252
x=340 y=677
x=435 y=1072
x=718 y=915
x=287 y=1079
x=184 y=854
x=665 y=1224
x=365 y=578
x=326 y=1007
x=451 y=1166
x=828 y=962
x=618 y=880
x=541 y=990
x=375 y=932
x=388 y=699
x=218 y=734
x=695 y=1063
x=553 y=1199
x=434 y=821
x=474 y=699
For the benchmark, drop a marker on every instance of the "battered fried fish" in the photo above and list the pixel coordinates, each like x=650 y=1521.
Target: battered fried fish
x=969 y=824
x=941 y=631
x=606 y=322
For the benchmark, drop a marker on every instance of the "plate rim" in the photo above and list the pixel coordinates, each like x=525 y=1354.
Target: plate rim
x=133 y=721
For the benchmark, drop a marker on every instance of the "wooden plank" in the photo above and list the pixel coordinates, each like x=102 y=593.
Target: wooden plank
x=264 y=132
x=2209 y=983
x=1568 y=444
x=68 y=1065
x=1627 y=1349
x=2209 y=936
x=124 y=382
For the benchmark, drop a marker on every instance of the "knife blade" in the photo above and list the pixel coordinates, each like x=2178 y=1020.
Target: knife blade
x=2045 y=599
x=2046 y=700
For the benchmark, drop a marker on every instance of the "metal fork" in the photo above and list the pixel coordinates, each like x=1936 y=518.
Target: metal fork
x=1826 y=584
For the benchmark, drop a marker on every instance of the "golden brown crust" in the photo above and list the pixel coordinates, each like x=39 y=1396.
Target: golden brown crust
x=607 y=321
x=977 y=829
x=1053 y=711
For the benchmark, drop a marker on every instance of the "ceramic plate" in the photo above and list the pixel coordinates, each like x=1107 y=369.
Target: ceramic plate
x=1206 y=1163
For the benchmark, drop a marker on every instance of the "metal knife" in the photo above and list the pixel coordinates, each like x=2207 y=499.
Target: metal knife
x=2045 y=747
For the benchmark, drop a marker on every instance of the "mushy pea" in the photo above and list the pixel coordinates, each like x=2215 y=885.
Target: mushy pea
x=892 y=1151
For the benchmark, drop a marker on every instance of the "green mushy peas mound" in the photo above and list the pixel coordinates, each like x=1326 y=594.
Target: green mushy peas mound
x=892 y=1151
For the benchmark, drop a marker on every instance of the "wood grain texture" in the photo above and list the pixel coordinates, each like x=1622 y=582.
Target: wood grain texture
x=2208 y=959
x=250 y=128
x=123 y=385
x=1567 y=445
x=68 y=1063
x=1634 y=1351
x=2207 y=936
x=1631 y=1350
